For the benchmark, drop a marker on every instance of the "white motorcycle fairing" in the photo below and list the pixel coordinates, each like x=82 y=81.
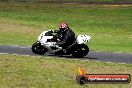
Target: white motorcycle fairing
x=82 y=39
x=43 y=40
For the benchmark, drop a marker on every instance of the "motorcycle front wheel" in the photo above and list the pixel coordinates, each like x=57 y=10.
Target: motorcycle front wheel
x=37 y=48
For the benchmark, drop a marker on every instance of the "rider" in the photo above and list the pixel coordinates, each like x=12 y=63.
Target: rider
x=66 y=36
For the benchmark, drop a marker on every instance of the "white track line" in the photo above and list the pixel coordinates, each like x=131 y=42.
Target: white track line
x=22 y=46
x=87 y=60
x=4 y=53
x=53 y=57
x=97 y=61
x=108 y=62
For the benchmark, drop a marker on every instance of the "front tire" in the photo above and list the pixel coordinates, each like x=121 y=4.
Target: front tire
x=37 y=48
x=80 y=50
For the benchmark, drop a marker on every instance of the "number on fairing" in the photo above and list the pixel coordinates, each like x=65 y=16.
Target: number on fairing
x=83 y=39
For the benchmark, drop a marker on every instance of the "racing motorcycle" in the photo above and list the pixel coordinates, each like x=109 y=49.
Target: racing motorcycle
x=46 y=43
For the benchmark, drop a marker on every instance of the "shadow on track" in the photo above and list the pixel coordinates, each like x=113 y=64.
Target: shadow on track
x=71 y=57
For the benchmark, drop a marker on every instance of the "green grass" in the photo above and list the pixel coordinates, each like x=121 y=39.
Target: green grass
x=46 y=72
x=109 y=26
x=72 y=0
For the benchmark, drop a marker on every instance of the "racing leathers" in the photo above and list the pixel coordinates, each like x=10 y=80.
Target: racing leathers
x=66 y=38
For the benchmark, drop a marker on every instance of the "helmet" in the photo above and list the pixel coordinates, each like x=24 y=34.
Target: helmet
x=63 y=27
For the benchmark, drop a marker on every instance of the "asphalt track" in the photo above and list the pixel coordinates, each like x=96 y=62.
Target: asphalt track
x=92 y=56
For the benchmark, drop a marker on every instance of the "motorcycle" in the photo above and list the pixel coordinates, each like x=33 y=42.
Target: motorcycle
x=46 y=43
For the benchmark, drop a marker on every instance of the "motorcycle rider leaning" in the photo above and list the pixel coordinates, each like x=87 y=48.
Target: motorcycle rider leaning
x=66 y=36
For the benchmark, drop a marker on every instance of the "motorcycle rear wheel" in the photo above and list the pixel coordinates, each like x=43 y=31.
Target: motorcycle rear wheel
x=80 y=50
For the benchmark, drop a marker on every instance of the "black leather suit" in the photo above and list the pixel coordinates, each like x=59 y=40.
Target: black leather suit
x=66 y=38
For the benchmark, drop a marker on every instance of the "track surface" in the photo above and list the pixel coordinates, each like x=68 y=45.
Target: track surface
x=95 y=56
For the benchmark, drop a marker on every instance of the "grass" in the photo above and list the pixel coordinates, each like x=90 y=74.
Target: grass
x=21 y=23
x=71 y=0
x=108 y=25
x=46 y=72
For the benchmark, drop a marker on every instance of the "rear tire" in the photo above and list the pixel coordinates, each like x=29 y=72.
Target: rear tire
x=37 y=48
x=80 y=50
